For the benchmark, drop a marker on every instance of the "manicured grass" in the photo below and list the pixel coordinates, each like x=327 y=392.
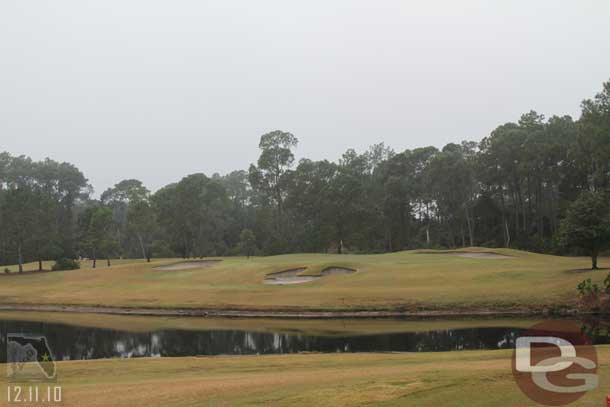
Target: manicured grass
x=453 y=379
x=322 y=327
x=85 y=264
x=404 y=280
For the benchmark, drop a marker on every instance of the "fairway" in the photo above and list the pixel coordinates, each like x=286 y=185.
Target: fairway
x=304 y=204
x=407 y=281
x=456 y=379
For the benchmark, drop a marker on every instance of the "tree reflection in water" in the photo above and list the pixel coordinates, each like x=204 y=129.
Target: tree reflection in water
x=75 y=342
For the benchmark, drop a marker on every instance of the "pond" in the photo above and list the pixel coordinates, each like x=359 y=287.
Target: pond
x=77 y=337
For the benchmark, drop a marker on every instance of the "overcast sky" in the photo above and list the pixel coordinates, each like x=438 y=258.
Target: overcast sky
x=156 y=90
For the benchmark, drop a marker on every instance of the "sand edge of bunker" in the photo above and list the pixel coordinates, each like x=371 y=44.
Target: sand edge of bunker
x=187 y=265
x=467 y=254
x=293 y=275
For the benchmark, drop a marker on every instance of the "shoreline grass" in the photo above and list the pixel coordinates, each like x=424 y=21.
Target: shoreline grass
x=341 y=327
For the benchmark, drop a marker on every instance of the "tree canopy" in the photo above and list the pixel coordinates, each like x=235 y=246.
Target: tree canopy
x=587 y=224
x=538 y=184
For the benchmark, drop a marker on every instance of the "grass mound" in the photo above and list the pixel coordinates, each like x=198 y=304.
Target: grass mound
x=409 y=280
x=186 y=265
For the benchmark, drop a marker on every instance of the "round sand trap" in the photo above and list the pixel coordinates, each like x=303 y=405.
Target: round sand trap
x=331 y=271
x=472 y=255
x=483 y=255
x=186 y=265
x=285 y=274
x=288 y=277
x=290 y=280
x=292 y=276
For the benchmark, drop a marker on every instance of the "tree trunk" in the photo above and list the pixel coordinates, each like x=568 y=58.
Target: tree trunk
x=469 y=224
x=451 y=233
x=142 y=246
x=462 y=234
x=403 y=228
x=108 y=261
x=20 y=258
x=505 y=232
x=594 y=261
x=120 y=244
x=340 y=236
x=39 y=265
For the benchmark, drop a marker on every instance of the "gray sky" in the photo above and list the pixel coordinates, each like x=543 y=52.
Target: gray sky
x=156 y=90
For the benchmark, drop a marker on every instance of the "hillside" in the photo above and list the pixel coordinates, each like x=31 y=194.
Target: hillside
x=411 y=280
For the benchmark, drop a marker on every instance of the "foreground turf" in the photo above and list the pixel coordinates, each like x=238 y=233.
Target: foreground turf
x=396 y=281
x=454 y=379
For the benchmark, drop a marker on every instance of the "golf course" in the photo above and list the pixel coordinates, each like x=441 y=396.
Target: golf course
x=468 y=280
x=304 y=204
x=465 y=378
x=454 y=283
x=456 y=379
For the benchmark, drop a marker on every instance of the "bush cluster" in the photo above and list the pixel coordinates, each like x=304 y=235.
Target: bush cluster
x=65 y=264
x=594 y=298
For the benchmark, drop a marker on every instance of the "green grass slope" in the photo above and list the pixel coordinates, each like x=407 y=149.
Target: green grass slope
x=408 y=280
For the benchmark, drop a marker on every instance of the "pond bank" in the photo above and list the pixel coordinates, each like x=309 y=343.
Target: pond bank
x=306 y=314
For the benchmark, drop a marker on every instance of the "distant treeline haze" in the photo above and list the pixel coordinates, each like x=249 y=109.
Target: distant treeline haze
x=510 y=190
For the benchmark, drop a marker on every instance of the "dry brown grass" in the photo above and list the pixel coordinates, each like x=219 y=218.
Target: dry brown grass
x=389 y=281
x=469 y=378
x=323 y=327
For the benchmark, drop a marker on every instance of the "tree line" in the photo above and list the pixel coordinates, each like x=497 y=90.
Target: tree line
x=511 y=189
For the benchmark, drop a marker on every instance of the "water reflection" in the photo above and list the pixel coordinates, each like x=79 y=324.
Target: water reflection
x=75 y=342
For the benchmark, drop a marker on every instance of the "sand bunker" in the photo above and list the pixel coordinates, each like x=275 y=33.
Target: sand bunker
x=292 y=276
x=481 y=255
x=185 y=265
x=288 y=277
x=473 y=255
x=286 y=273
x=331 y=271
x=290 y=280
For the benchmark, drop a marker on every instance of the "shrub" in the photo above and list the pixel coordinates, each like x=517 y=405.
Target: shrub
x=7 y=270
x=65 y=264
x=593 y=298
